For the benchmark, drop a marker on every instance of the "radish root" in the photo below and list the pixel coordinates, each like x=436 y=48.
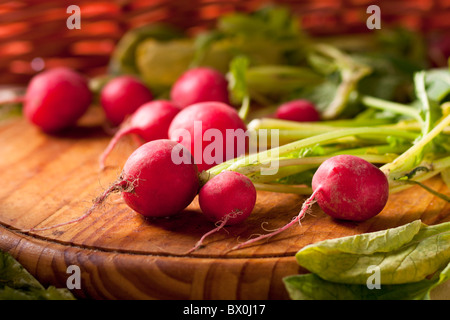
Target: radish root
x=305 y=207
x=118 y=186
x=219 y=226
x=119 y=134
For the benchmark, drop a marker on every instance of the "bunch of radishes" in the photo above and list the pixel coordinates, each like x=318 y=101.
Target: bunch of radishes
x=155 y=185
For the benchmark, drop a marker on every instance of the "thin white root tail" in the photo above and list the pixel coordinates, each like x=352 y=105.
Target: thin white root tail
x=116 y=187
x=305 y=207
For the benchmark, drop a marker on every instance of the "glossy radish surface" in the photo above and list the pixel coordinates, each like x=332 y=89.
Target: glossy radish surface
x=298 y=110
x=350 y=188
x=199 y=85
x=229 y=195
x=121 y=96
x=157 y=186
x=227 y=199
x=212 y=131
x=56 y=99
x=149 y=122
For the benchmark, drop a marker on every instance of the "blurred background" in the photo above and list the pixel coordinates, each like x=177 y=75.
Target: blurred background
x=34 y=35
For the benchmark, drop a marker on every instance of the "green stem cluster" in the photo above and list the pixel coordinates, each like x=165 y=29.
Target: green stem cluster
x=396 y=147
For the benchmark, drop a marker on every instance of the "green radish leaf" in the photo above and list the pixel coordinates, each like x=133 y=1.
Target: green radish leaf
x=438 y=84
x=431 y=140
x=123 y=59
x=12 y=274
x=16 y=283
x=202 y=44
x=312 y=287
x=405 y=254
x=273 y=22
x=237 y=81
x=278 y=82
x=431 y=111
x=237 y=84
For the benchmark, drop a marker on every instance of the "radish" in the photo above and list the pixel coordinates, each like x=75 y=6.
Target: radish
x=56 y=99
x=350 y=188
x=121 y=96
x=216 y=122
x=160 y=188
x=199 y=85
x=298 y=110
x=227 y=199
x=151 y=183
x=345 y=187
x=229 y=195
x=150 y=121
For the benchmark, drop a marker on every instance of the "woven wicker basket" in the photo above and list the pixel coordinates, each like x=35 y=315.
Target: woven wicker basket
x=33 y=33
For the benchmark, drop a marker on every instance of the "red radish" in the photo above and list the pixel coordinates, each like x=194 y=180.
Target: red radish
x=345 y=187
x=199 y=85
x=122 y=96
x=214 y=122
x=298 y=110
x=150 y=121
x=56 y=99
x=151 y=183
x=227 y=199
x=160 y=188
x=229 y=195
x=350 y=188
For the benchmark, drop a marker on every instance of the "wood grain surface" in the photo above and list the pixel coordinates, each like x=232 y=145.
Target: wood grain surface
x=51 y=179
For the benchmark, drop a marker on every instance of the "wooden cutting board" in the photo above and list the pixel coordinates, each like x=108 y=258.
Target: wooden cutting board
x=51 y=179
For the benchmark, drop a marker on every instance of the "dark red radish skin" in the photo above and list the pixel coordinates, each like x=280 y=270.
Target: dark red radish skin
x=195 y=120
x=56 y=99
x=439 y=50
x=122 y=96
x=227 y=199
x=149 y=122
x=151 y=183
x=298 y=110
x=345 y=187
x=350 y=188
x=199 y=85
